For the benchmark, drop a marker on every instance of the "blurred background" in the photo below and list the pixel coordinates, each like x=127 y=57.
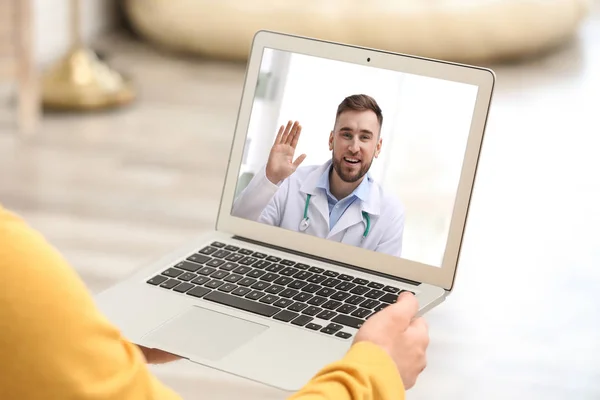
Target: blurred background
x=116 y=121
x=426 y=123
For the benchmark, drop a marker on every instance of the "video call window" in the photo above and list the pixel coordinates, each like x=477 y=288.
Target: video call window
x=381 y=175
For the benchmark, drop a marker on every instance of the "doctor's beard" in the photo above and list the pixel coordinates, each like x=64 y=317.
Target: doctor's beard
x=345 y=174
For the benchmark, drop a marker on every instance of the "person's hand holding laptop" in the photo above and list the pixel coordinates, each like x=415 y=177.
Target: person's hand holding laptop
x=403 y=335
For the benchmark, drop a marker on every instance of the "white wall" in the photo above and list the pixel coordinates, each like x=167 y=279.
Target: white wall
x=52 y=21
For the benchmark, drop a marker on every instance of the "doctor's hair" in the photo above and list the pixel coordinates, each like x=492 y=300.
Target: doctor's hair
x=360 y=102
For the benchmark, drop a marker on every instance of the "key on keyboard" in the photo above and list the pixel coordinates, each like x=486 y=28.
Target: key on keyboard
x=242 y=303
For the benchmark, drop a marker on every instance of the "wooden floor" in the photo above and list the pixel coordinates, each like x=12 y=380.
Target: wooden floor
x=112 y=190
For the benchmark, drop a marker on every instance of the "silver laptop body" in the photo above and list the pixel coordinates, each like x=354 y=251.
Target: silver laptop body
x=273 y=304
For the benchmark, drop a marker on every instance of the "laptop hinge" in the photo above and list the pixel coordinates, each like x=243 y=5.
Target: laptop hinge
x=325 y=260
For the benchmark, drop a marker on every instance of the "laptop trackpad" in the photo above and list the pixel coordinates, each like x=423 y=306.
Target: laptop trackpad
x=200 y=334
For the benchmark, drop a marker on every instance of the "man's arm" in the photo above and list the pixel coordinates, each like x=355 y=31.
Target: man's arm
x=252 y=202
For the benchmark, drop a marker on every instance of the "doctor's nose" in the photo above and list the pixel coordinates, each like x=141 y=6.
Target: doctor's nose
x=353 y=146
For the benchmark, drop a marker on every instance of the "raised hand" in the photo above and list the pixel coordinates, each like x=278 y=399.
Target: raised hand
x=281 y=162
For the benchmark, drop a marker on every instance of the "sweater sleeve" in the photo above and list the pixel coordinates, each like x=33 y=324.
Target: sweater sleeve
x=54 y=342
x=367 y=372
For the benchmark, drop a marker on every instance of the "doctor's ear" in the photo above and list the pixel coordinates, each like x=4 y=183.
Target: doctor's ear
x=378 y=148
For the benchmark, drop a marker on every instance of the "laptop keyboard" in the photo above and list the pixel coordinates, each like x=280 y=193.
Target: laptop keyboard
x=277 y=288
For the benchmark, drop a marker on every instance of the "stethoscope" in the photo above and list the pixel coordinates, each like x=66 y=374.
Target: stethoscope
x=305 y=222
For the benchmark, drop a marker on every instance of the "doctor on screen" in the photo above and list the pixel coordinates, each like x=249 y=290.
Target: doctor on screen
x=338 y=200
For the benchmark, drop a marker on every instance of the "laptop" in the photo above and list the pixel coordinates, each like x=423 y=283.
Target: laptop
x=349 y=182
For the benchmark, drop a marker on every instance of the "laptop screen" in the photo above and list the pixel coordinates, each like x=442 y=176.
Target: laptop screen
x=355 y=154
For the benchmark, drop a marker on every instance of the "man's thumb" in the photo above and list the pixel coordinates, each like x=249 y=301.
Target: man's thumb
x=299 y=160
x=406 y=307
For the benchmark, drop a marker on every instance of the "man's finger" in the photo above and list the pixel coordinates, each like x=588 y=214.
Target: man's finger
x=299 y=160
x=279 y=134
x=289 y=132
x=296 y=136
x=286 y=132
x=293 y=132
x=405 y=307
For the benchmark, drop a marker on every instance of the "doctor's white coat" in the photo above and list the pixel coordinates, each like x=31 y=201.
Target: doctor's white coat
x=283 y=205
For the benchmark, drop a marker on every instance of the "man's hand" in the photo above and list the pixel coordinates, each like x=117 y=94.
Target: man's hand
x=404 y=337
x=281 y=164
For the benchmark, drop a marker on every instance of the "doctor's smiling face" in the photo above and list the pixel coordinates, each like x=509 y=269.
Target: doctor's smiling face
x=354 y=142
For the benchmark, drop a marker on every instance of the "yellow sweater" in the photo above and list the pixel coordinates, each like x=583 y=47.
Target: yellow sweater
x=55 y=344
